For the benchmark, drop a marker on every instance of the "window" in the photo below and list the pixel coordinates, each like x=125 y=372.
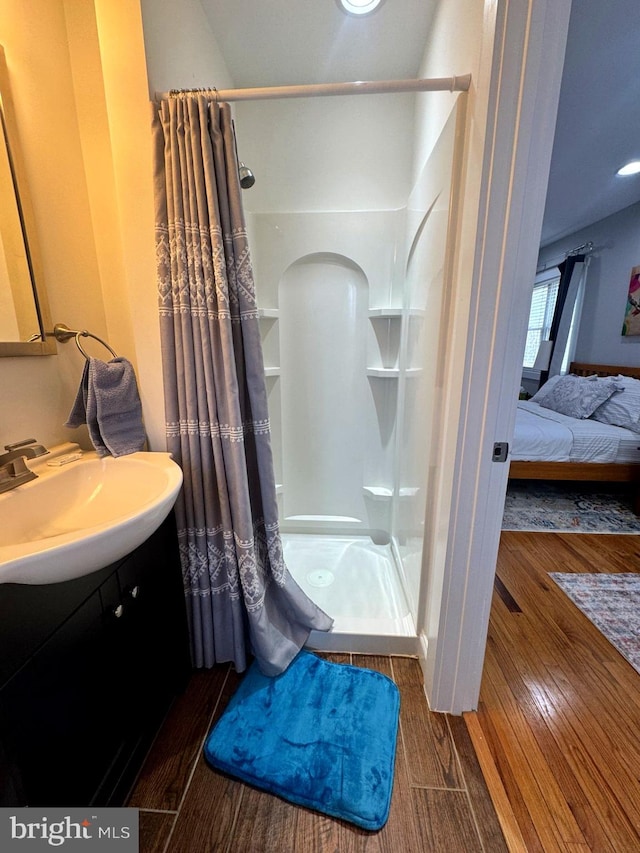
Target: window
x=543 y=302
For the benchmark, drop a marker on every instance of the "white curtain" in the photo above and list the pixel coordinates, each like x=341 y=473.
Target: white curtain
x=574 y=326
x=568 y=321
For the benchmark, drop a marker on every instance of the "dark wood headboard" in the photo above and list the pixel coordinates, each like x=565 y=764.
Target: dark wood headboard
x=581 y=368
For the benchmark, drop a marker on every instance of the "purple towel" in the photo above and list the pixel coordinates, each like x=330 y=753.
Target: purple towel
x=109 y=404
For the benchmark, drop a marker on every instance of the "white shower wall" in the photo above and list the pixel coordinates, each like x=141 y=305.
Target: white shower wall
x=345 y=153
x=353 y=316
x=323 y=307
x=354 y=313
x=423 y=348
x=327 y=285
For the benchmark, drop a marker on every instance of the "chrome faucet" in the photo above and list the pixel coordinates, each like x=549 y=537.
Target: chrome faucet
x=13 y=468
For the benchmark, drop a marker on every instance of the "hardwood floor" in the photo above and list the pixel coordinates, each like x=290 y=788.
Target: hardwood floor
x=557 y=726
x=440 y=800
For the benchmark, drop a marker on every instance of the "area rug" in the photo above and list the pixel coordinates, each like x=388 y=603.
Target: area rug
x=612 y=603
x=565 y=508
x=321 y=735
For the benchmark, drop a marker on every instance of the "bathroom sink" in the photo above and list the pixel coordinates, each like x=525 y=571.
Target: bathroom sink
x=82 y=515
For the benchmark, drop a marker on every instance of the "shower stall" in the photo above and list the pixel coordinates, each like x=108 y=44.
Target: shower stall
x=353 y=315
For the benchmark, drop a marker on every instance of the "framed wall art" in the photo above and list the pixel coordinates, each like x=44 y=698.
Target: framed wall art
x=631 y=324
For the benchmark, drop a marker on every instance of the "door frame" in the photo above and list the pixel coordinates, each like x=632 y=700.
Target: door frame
x=504 y=189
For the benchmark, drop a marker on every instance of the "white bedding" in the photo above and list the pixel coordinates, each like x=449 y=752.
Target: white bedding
x=542 y=435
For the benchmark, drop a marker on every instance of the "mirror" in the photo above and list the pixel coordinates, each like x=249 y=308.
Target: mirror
x=24 y=312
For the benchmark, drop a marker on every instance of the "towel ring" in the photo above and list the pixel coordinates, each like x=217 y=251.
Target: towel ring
x=62 y=333
x=85 y=334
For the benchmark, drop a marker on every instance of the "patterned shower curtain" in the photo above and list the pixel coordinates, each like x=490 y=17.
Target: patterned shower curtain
x=241 y=598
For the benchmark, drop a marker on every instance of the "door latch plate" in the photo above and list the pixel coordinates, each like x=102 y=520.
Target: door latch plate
x=500 y=451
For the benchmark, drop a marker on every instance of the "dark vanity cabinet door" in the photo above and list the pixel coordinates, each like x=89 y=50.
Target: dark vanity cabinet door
x=58 y=714
x=153 y=636
x=79 y=712
x=144 y=620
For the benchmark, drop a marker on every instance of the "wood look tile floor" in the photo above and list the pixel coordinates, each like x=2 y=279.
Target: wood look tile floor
x=557 y=728
x=440 y=800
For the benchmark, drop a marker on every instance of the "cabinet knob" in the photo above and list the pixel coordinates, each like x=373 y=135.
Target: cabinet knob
x=118 y=611
x=135 y=591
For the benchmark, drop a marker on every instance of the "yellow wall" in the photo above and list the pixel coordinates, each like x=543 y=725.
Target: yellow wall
x=79 y=84
x=129 y=117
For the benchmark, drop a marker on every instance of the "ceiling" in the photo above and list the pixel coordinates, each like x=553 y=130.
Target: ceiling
x=598 y=125
x=283 y=42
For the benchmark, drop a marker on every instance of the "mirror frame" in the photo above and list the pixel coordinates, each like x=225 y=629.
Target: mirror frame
x=47 y=344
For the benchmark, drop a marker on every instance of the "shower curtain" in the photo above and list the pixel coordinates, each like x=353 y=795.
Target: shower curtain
x=240 y=595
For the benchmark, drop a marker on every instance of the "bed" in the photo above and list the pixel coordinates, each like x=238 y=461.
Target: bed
x=551 y=445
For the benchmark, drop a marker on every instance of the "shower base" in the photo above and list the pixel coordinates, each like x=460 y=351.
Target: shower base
x=357 y=583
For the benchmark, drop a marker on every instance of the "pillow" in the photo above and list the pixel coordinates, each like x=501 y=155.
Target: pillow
x=623 y=408
x=579 y=396
x=542 y=392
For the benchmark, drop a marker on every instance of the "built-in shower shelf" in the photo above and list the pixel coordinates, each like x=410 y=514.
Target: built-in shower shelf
x=409 y=491
x=383 y=372
x=386 y=324
x=268 y=313
x=377 y=493
x=385 y=313
x=382 y=493
x=272 y=371
x=393 y=372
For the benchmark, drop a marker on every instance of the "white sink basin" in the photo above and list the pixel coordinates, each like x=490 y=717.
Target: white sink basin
x=84 y=515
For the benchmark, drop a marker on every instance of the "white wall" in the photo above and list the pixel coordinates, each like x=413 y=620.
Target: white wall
x=616 y=242
x=181 y=50
x=453 y=48
x=338 y=153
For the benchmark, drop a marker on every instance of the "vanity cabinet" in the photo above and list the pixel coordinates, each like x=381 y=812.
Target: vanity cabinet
x=88 y=669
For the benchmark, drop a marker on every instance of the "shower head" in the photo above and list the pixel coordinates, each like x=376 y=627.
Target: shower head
x=247 y=178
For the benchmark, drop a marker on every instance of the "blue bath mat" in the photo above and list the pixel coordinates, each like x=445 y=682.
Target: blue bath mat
x=322 y=735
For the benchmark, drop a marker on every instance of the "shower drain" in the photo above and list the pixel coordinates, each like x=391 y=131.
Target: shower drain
x=323 y=577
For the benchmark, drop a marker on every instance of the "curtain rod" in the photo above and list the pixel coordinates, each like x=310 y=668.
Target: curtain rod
x=364 y=87
x=584 y=248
